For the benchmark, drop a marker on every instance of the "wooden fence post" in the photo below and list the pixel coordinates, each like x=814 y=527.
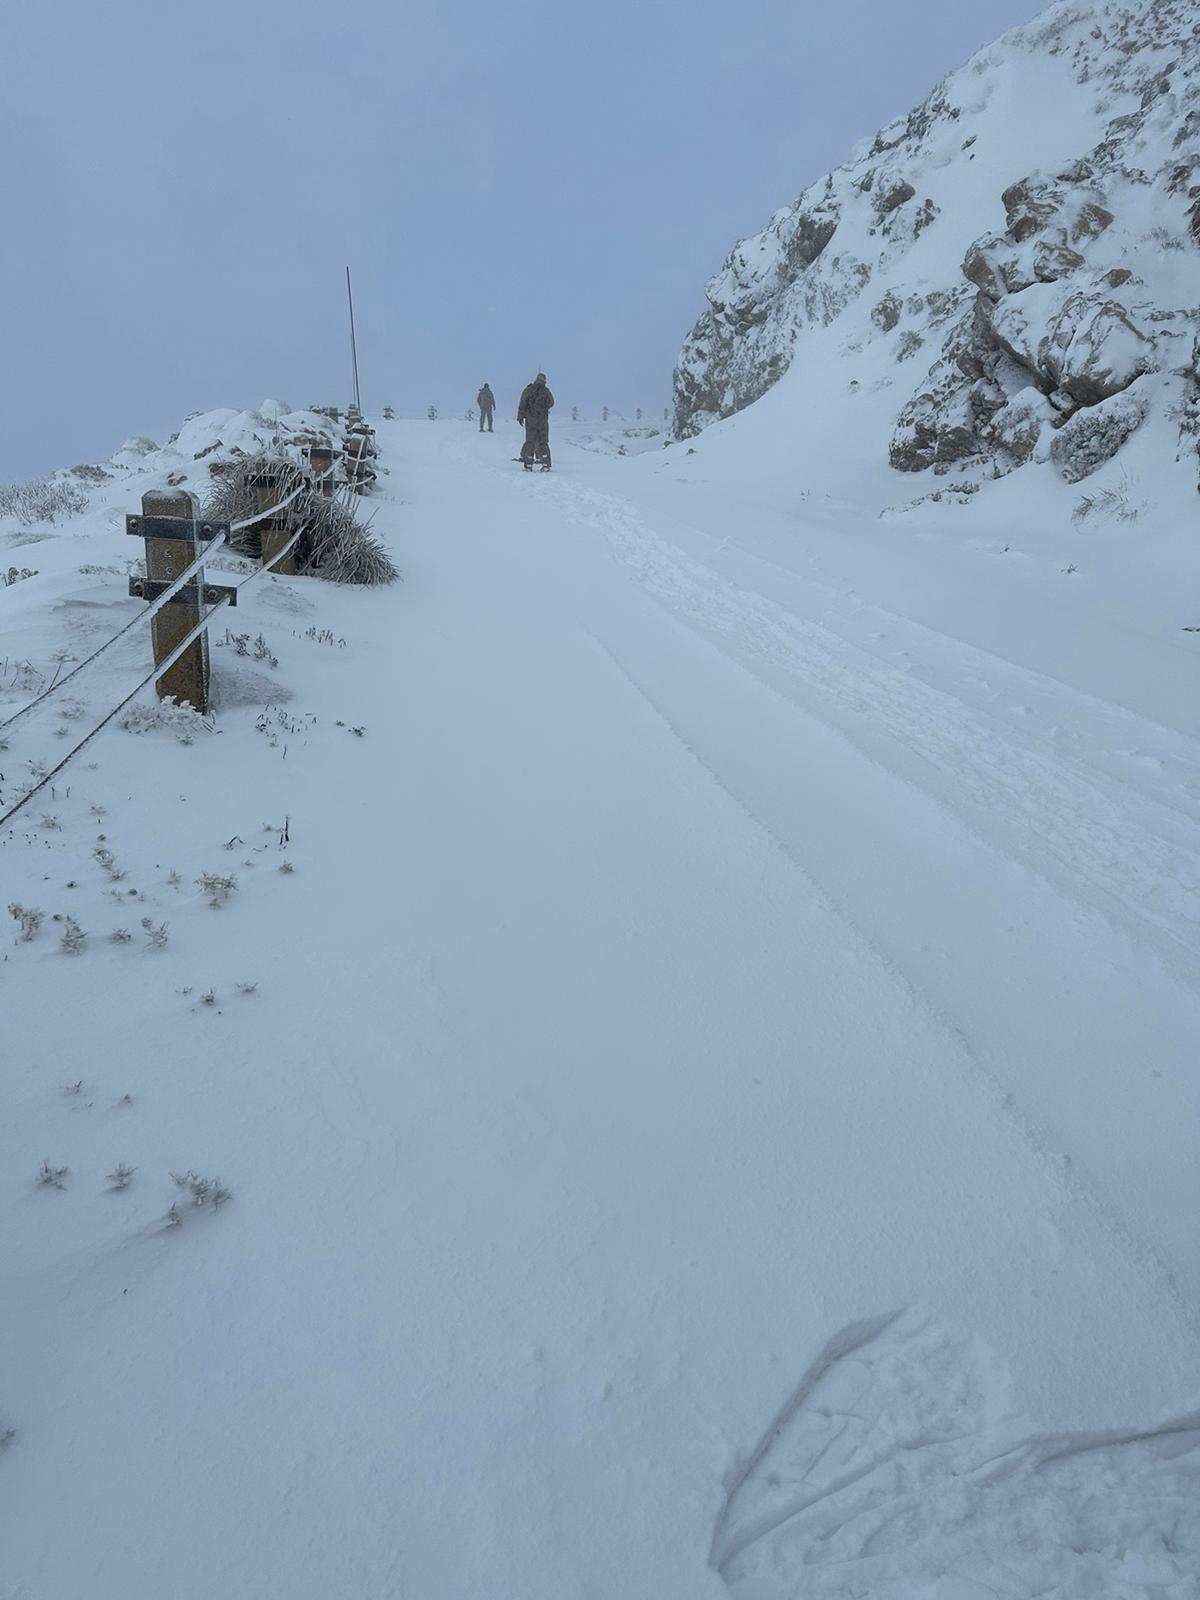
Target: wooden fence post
x=320 y=461
x=352 y=460
x=174 y=538
x=273 y=531
x=360 y=451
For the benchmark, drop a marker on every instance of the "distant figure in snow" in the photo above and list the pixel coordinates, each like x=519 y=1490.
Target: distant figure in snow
x=486 y=401
x=534 y=412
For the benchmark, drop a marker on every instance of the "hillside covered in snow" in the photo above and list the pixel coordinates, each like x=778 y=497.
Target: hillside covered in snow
x=1017 y=262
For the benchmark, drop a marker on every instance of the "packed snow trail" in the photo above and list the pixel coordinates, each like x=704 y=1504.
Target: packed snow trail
x=636 y=1016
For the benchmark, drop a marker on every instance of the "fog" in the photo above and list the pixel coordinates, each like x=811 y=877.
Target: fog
x=514 y=187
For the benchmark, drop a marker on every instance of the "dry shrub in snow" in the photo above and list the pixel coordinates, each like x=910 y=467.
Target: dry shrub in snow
x=41 y=501
x=333 y=543
x=27 y=919
x=234 y=497
x=181 y=720
x=1113 y=503
x=200 y=1190
x=344 y=550
x=217 y=886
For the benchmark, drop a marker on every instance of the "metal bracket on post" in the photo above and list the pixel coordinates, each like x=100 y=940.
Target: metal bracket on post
x=210 y=594
x=175 y=538
x=172 y=526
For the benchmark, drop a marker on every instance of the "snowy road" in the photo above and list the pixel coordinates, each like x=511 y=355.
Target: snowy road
x=690 y=958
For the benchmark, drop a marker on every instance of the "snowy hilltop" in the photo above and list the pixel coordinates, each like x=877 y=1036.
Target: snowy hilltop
x=1025 y=240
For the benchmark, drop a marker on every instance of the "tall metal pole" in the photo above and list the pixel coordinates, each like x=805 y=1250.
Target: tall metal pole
x=353 y=343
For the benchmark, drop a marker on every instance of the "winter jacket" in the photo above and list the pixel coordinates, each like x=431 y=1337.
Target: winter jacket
x=536 y=401
x=485 y=399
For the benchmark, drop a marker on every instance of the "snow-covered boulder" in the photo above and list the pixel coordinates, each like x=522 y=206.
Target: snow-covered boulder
x=1022 y=427
x=209 y=442
x=1095 y=349
x=1085 y=344
x=134 y=451
x=1093 y=436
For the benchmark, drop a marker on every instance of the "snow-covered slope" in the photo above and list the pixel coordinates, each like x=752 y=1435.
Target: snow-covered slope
x=1017 y=262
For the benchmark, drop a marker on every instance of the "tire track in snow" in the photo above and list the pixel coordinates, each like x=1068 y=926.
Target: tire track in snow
x=1041 y=1144
x=1132 y=853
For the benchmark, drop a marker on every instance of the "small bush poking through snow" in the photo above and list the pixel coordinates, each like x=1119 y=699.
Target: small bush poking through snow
x=181 y=720
x=50 y=1177
x=104 y=857
x=27 y=919
x=1112 y=503
x=15 y=574
x=156 y=933
x=201 y=1191
x=243 y=645
x=121 y=1176
x=41 y=501
x=73 y=937
x=217 y=886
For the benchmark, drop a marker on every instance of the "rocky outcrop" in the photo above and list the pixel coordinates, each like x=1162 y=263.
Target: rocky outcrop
x=1038 y=328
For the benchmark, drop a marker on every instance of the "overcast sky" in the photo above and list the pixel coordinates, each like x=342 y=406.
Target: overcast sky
x=514 y=186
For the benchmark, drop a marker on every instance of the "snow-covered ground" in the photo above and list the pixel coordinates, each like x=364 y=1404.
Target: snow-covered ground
x=704 y=910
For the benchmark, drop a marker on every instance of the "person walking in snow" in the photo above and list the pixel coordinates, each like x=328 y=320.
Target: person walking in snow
x=486 y=401
x=534 y=412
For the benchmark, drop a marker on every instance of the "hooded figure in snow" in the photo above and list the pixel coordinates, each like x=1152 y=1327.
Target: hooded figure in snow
x=486 y=401
x=534 y=412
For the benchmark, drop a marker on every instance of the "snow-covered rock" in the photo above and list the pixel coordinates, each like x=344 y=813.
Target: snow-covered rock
x=1094 y=435
x=1033 y=225
x=210 y=441
x=1021 y=425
